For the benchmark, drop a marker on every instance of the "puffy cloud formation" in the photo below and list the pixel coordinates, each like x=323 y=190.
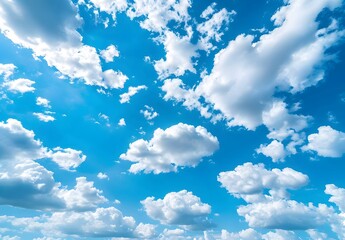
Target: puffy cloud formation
x=110 y=53
x=180 y=145
x=67 y=158
x=40 y=101
x=328 y=142
x=286 y=59
x=100 y=223
x=157 y=14
x=114 y=79
x=6 y=70
x=283 y=214
x=25 y=183
x=53 y=36
x=274 y=150
x=126 y=97
x=179 y=208
x=179 y=56
x=248 y=181
x=20 y=85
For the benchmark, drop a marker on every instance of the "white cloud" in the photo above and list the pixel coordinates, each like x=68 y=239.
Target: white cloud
x=67 y=158
x=27 y=184
x=249 y=181
x=110 y=7
x=176 y=90
x=100 y=223
x=179 y=56
x=110 y=53
x=83 y=197
x=114 y=79
x=126 y=97
x=285 y=59
x=178 y=146
x=283 y=214
x=280 y=235
x=274 y=150
x=157 y=14
x=247 y=234
x=101 y=175
x=44 y=117
x=122 y=122
x=338 y=196
x=149 y=113
x=20 y=85
x=328 y=142
x=40 y=101
x=179 y=208
x=53 y=36
x=6 y=70
x=315 y=235
x=211 y=28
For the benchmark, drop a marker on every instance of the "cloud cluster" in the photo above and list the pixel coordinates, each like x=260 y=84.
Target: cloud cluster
x=26 y=183
x=178 y=146
x=54 y=37
x=179 y=208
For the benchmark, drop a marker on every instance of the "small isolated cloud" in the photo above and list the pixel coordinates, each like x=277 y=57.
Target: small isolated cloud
x=176 y=147
x=189 y=213
x=6 y=70
x=20 y=85
x=114 y=79
x=126 y=97
x=40 y=101
x=328 y=142
x=122 y=122
x=149 y=113
x=44 y=117
x=110 y=53
x=102 y=176
x=67 y=158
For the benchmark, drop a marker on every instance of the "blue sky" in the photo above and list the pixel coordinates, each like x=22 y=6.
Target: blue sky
x=179 y=119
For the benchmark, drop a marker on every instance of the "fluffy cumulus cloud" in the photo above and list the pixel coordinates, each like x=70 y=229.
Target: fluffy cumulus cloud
x=126 y=97
x=53 y=36
x=287 y=59
x=25 y=183
x=20 y=85
x=110 y=53
x=180 y=145
x=100 y=223
x=67 y=158
x=114 y=79
x=40 y=101
x=179 y=208
x=328 y=142
x=6 y=70
x=157 y=14
x=283 y=214
x=249 y=181
x=179 y=56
